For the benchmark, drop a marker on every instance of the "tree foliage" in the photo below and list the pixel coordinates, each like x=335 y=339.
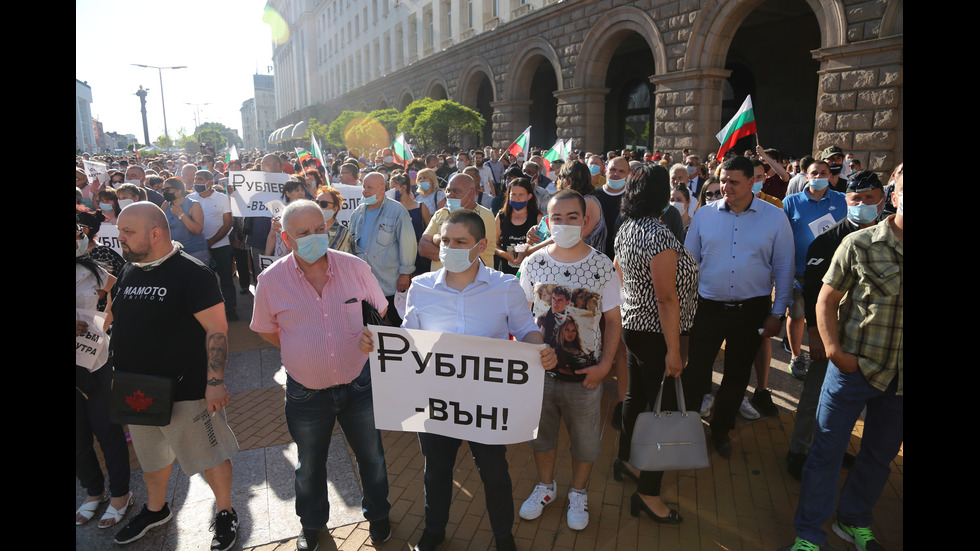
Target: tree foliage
x=315 y=128
x=336 y=134
x=411 y=113
x=444 y=123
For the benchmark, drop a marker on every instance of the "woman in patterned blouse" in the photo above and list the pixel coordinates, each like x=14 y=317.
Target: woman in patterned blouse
x=660 y=280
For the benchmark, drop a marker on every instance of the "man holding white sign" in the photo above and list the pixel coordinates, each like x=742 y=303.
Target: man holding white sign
x=466 y=297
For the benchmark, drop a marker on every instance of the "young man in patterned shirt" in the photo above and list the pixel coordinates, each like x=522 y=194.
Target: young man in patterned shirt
x=571 y=287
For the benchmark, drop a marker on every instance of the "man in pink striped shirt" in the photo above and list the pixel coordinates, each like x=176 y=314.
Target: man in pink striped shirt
x=308 y=304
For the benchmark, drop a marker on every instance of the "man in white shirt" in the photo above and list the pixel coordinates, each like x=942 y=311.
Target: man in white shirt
x=217 y=224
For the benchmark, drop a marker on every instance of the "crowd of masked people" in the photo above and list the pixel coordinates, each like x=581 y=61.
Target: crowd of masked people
x=663 y=228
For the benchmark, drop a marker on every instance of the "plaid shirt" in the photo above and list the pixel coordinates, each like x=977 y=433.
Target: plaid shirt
x=868 y=268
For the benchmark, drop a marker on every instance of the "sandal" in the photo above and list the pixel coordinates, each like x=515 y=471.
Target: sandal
x=115 y=515
x=87 y=510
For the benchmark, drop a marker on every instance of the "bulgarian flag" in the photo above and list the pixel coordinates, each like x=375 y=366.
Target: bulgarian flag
x=520 y=144
x=317 y=152
x=741 y=125
x=232 y=155
x=556 y=152
x=403 y=153
x=302 y=154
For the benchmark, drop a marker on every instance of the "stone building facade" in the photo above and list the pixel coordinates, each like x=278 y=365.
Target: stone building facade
x=661 y=74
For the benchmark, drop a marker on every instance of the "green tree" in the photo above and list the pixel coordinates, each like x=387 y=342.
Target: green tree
x=164 y=142
x=336 y=134
x=444 y=123
x=315 y=128
x=411 y=114
x=213 y=132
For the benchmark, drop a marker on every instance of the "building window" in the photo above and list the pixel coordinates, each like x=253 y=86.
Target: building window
x=428 y=27
x=469 y=14
x=447 y=8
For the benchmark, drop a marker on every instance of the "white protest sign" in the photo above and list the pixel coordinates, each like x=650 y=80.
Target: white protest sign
x=109 y=237
x=253 y=190
x=266 y=261
x=473 y=388
x=352 y=198
x=90 y=346
x=96 y=171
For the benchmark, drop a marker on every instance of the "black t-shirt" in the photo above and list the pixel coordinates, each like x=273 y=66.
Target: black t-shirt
x=154 y=330
x=610 y=214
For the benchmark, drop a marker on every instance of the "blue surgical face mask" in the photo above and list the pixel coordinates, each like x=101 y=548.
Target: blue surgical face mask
x=862 y=214
x=819 y=184
x=424 y=185
x=756 y=187
x=312 y=247
x=106 y=207
x=454 y=204
x=595 y=169
x=456 y=260
x=518 y=205
x=616 y=184
x=369 y=200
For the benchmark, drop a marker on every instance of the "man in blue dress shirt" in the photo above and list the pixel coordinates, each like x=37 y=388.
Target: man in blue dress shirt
x=744 y=246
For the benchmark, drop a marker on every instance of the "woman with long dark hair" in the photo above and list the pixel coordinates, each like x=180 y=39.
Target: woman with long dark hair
x=92 y=285
x=520 y=214
x=660 y=279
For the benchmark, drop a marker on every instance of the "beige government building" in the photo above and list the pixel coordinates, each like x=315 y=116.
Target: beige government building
x=608 y=74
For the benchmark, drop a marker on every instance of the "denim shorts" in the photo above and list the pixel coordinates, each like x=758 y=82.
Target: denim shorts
x=580 y=408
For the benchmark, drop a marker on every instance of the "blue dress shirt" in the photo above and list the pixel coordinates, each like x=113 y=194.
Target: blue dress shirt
x=492 y=306
x=742 y=255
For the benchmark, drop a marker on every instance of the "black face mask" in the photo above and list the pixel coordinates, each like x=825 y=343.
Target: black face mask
x=169 y=196
x=835 y=169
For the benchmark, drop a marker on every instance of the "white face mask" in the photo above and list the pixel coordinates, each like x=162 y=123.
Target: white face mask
x=679 y=206
x=566 y=236
x=123 y=203
x=456 y=260
x=328 y=214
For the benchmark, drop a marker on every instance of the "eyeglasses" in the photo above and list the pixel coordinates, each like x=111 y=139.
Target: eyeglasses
x=325 y=204
x=710 y=194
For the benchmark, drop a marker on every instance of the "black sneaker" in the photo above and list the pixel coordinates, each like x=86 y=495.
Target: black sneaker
x=141 y=524
x=762 y=400
x=380 y=531
x=225 y=528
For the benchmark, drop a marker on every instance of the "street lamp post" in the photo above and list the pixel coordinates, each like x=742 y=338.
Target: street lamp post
x=166 y=134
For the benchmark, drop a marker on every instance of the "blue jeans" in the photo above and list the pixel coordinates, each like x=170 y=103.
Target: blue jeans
x=491 y=462
x=843 y=397
x=310 y=416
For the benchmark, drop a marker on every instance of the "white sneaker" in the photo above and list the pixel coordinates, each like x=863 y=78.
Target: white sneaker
x=578 y=510
x=706 y=405
x=746 y=410
x=540 y=497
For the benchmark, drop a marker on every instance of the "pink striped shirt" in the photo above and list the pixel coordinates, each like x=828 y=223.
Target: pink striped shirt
x=318 y=333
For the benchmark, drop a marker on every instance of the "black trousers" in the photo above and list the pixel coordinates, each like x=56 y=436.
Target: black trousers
x=737 y=324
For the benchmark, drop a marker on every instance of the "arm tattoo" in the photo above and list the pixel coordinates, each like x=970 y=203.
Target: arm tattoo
x=217 y=352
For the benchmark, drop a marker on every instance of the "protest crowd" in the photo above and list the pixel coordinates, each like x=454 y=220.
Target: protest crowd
x=629 y=266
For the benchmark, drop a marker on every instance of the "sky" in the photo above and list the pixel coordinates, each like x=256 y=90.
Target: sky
x=221 y=42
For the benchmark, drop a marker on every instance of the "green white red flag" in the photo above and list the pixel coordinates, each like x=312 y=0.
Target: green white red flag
x=401 y=150
x=317 y=152
x=302 y=154
x=232 y=155
x=556 y=152
x=741 y=125
x=520 y=144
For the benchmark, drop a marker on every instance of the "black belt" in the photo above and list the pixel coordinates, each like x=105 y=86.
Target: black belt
x=735 y=305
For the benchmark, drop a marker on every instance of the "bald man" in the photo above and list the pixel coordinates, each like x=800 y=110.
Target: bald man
x=169 y=320
x=461 y=194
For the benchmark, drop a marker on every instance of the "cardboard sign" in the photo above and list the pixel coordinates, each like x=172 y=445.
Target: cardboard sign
x=473 y=388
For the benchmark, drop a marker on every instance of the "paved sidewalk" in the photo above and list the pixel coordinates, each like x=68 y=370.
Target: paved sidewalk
x=744 y=503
